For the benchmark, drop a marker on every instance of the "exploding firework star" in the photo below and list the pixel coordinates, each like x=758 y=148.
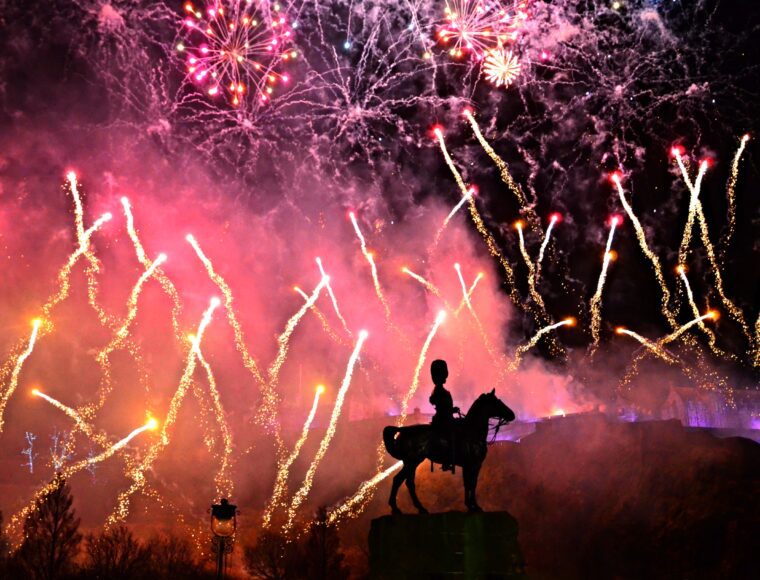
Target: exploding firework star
x=284 y=468
x=695 y=211
x=418 y=368
x=596 y=299
x=501 y=67
x=369 y=256
x=522 y=349
x=478 y=26
x=235 y=47
x=308 y=480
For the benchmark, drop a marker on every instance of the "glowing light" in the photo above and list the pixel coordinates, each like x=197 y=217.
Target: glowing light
x=418 y=368
x=236 y=51
x=373 y=268
x=501 y=67
x=283 y=470
x=308 y=480
x=596 y=299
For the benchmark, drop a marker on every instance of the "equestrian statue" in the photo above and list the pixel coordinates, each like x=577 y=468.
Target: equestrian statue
x=447 y=440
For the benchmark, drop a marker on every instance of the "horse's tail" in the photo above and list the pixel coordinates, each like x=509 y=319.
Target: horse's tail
x=389 y=438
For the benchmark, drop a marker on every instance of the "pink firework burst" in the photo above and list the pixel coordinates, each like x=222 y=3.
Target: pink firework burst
x=233 y=47
x=478 y=26
x=501 y=67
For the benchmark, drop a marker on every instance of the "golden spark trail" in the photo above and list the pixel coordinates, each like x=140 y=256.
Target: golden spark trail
x=681 y=270
x=596 y=299
x=158 y=273
x=418 y=369
x=93 y=268
x=531 y=269
x=284 y=468
x=506 y=177
x=653 y=259
x=711 y=315
x=731 y=196
x=305 y=488
x=322 y=319
x=119 y=339
x=466 y=197
x=248 y=360
x=346 y=509
x=695 y=210
x=522 y=349
x=70 y=470
x=332 y=297
x=545 y=243
x=432 y=288
x=470 y=290
x=82 y=425
x=655 y=349
x=373 y=268
x=137 y=474
x=13 y=383
x=223 y=480
x=466 y=300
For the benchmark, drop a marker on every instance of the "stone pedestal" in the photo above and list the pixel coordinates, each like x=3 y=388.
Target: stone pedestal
x=442 y=546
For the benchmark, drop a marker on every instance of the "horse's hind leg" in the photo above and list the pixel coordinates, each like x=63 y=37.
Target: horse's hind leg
x=470 y=477
x=397 y=480
x=412 y=488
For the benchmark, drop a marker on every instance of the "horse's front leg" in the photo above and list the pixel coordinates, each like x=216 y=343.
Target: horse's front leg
x=413 y=490
x=470 y=477
x=397 y=480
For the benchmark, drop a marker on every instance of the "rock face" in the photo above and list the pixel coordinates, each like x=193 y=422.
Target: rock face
x=445 y=545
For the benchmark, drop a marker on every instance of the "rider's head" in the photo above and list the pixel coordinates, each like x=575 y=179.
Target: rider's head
x=439 y=371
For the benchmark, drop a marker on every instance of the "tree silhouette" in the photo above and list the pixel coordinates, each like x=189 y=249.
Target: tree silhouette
x=322 y=550
x=51 y=536
x=117 y=555
x=272 y=558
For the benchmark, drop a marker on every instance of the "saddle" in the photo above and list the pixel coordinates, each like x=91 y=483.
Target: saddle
x=443 y=444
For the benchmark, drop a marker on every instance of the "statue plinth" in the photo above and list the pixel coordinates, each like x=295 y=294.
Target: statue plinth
x=447 y=545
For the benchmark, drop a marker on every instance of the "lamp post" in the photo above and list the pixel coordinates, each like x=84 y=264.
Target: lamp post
x=223 y=526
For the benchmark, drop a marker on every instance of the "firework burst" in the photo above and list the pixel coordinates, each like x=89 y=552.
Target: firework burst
x=501 y=67
x=233 y=47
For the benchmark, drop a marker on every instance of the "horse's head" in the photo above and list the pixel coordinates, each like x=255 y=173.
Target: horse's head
x=490 y=406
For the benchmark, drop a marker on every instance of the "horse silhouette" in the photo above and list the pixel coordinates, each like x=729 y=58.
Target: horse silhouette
x=416 y=443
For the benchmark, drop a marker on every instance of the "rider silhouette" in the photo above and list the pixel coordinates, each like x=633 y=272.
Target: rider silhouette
x=443 y=420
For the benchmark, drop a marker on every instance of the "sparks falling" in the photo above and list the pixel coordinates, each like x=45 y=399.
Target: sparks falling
x=13 y=383
x=531 y=269
x=348 y=507
x=333 y=299
x=522 y=349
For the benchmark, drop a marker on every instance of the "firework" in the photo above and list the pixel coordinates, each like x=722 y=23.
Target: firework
x=522 y=349
x=308 y=480
x=373 y=268
x=653 y=259
x=81 y=424
x=137 y=473
x=475 y=317
x=465 y=198
x=531 y=269
x=8 y=393
x=347 y=508
x=418 y=368
x=654 y=348
x=119 y=339
x=432 y=288
x=248 y=360
x=332 y=296
x=596 y=299
x=469 y=292
x=284 y=468
x=321 y=317
x=731 y=197
x=234 y=47
x=501 y=67
x=554 y=219
x=504 y=173
x=477 y=26
x=158 y=273
x=695 y=210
